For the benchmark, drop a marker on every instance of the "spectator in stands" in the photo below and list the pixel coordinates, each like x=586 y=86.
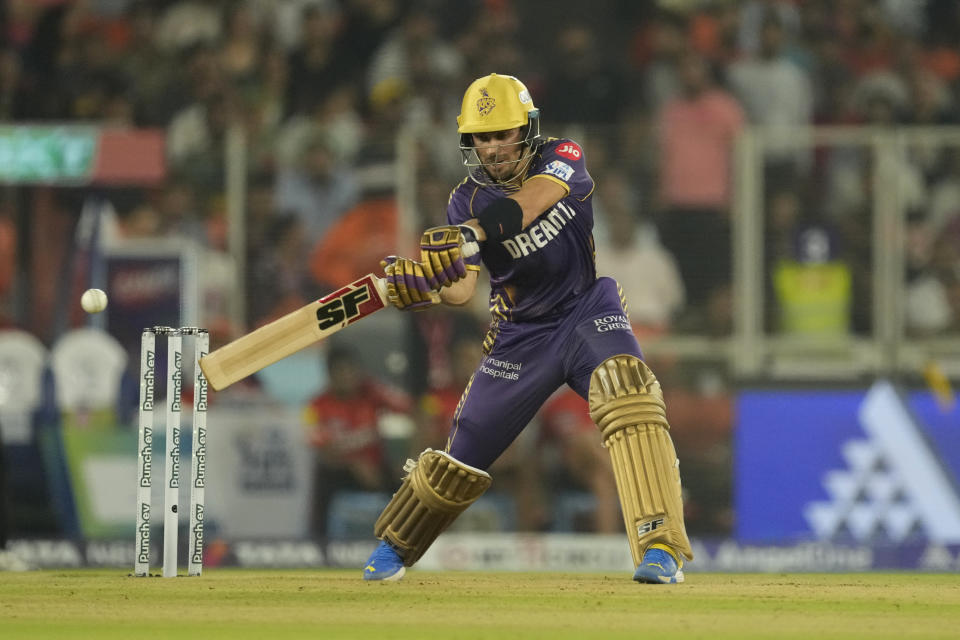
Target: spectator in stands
x=260 y=213
x=342 y=425
x=933 y=299
x=812 y=286
x=415 y=43
x=129 y=216
x=241 y=47
x=334 y=116
x=180 y=210
x=149 y=72
x=337 y=258
x=578 y=62
x=318 y=190
x=494 y=40
x=284 y=21
x=196 y=140
x=667 y=44
x=754 y=15
x=204 y=78
x=313 y=65
x=11 y=101
x=629 y=250
x=186 y=23
x=278 y=271
x=832 y=81
x=697 y=130
x=365 y=25
x=775 y=93
x=944 y=201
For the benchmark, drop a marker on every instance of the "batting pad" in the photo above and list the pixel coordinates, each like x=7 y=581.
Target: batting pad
x=626 y=403
x=436 y=489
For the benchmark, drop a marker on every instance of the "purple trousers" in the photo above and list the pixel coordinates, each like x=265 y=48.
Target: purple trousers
x=528 y=362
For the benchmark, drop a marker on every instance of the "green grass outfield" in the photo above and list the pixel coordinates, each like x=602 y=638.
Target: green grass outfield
x=322 y=604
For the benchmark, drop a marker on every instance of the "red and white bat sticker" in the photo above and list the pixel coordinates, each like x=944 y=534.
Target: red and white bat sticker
x=570 y=150
x=349 y=304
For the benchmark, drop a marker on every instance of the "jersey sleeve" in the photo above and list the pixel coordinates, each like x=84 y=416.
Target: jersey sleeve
x=562 y=162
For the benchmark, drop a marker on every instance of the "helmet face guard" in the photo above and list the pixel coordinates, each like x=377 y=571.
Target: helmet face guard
x=478 y=171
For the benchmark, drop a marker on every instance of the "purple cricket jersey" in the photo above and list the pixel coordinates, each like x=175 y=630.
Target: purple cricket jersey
x=550 y=263
x=554 y=321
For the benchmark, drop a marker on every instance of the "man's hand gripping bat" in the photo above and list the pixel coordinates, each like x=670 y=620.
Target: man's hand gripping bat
x=299 y=329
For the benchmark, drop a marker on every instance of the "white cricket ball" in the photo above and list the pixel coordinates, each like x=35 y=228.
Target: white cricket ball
x=93 y=300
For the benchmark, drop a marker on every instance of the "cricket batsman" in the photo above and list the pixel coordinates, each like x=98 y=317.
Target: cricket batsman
x=528 y=201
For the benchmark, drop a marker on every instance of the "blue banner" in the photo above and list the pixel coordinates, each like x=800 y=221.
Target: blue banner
x=865 y=467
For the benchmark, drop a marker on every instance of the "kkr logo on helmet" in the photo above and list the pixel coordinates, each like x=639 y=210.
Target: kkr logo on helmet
x=485 y=104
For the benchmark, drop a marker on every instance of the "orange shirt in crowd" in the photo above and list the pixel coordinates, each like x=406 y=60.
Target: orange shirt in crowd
x=356 y=243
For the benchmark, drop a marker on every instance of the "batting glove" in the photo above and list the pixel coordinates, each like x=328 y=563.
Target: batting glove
x=442 y=253
x=407 y=288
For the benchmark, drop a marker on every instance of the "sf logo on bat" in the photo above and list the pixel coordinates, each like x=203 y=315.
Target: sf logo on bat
x=343 y=308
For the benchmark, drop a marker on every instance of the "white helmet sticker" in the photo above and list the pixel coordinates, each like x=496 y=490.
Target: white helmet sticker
x=524 y=96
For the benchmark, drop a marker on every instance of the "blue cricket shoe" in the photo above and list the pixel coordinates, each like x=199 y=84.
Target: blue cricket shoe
x=384 y=564
x=659 y=566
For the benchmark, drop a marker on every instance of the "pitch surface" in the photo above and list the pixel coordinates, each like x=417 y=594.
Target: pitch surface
x=239 y=604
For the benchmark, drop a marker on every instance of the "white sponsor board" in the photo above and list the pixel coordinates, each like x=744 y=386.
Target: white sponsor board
x=259 y=468
x=573 y=553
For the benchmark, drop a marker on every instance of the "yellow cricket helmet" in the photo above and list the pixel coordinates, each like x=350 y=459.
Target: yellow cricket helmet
x=496 y=103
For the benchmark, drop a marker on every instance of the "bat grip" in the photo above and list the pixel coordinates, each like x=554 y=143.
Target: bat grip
x=381 y=285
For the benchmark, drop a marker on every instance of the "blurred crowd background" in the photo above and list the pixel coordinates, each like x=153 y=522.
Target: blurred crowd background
x=335 y=99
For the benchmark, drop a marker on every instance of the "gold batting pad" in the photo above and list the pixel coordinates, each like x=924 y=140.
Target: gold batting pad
x=436 y=489
x=626 y=403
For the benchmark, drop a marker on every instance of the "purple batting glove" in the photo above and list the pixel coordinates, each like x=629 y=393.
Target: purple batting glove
x=407 y=287
x=441 y=255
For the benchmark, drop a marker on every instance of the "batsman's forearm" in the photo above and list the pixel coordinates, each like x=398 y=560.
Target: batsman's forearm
x=460 y=292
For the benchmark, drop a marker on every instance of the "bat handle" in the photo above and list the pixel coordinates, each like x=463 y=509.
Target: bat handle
x=381 y=285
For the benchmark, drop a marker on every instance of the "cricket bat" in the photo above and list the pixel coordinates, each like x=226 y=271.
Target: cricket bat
x=298 y=329
x=295 y=331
